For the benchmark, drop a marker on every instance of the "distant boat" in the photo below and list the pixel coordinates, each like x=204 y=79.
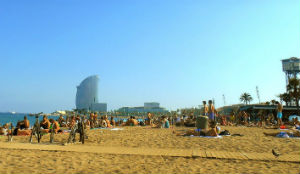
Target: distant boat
x=13 y=112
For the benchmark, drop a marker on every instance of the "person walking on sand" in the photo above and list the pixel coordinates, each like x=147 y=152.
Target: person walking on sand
x=205 y=108
x=211 y=110
x=279 y=113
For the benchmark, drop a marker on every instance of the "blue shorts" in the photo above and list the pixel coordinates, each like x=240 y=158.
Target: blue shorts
x=211 y=116
x=279 y=115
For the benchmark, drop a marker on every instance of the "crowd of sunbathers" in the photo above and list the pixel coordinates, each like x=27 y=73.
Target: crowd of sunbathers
x=262 y=119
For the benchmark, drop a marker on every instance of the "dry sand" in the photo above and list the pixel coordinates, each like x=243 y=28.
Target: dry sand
x=38 y=161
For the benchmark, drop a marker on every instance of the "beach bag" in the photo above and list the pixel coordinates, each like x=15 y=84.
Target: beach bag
x=225 y=132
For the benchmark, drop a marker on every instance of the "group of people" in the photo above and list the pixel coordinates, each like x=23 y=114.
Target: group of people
x=23 y=127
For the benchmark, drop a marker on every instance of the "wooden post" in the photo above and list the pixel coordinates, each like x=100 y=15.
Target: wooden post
x=10 y=136
x=52 y=134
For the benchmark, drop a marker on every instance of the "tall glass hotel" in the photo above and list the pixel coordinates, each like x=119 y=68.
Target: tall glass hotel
x=87 y=95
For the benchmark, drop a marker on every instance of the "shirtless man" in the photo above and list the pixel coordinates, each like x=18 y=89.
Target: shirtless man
x=279 y=113
x=205 y=107
x=45 y=123
x=72 y=122
x=23 y=124
x=211 y=110
x=55 y=125
x=61 y=121
x=112 y=121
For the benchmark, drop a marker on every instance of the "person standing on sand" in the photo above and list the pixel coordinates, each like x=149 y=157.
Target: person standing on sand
x=211 y=110
x=205 y=108
x=279 y=113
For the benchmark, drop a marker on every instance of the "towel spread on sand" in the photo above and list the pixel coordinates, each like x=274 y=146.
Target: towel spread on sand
x=207 y=136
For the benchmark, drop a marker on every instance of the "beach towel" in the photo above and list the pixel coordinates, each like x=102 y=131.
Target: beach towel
x=207 y=136
x=116 y=129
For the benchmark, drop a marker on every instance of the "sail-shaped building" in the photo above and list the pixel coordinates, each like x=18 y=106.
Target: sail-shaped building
x=87 y=95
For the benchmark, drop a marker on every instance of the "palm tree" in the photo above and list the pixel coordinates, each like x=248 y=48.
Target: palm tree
x=293 y=89
x=285 y=97
x=273 y=102
x=246 y=98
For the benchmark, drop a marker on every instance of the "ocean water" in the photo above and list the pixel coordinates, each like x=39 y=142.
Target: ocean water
x=14 y=118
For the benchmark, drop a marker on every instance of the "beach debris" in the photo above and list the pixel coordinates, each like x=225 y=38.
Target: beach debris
x=275 y=153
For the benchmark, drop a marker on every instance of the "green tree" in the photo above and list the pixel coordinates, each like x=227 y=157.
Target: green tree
x=293 y=89
x=285 y=97
x=273 y=102
x=246 y=98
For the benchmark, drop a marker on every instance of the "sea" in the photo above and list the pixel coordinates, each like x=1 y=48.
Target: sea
x=14 y=118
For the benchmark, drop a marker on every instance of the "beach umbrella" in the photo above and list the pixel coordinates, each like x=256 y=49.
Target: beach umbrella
x=294 y=116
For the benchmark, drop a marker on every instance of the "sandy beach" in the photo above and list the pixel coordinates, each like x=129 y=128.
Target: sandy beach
x=24 y=159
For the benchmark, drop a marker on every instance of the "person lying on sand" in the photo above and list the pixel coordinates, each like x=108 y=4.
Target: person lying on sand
x=210 y=132
x=45 y=123
x=291 y=134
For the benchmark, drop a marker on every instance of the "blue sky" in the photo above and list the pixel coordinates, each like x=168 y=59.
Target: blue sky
x=174 y=52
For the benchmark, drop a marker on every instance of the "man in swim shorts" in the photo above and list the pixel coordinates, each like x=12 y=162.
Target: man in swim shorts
x=211 y=110
x=279 y=113
x=205 y=108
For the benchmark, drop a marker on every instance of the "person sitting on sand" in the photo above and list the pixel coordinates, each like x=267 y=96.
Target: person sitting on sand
x=45 y=123
x=107 y=121
x=55 y=125
x=158 y=123
x=190 y=121
x=149 y=119
x=112 y=121
x=87 y=123
x=4 y=129
x=23 y=124
x=165 y=123
x=131 y=122
x=61 y=121
x=72 y=122
x=103 y=123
